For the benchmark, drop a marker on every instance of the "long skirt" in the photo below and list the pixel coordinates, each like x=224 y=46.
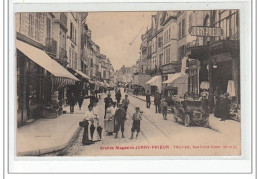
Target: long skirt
x=109 y=125
x=85 y=139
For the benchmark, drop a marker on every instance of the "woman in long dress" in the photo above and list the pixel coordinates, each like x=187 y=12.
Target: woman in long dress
x=109 y=120
x=95 y=123
x=89 y=116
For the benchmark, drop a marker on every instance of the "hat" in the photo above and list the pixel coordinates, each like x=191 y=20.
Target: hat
x=137 y=108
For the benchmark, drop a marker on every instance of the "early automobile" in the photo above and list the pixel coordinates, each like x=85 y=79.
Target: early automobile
x=191 y=111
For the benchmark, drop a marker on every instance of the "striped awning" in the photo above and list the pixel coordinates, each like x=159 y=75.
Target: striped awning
x=41 y=58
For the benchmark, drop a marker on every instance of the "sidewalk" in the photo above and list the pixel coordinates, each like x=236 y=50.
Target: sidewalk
x=48 y=135
x=227 y=127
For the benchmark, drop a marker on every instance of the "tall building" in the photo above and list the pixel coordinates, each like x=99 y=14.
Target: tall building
x=39 y=76
x=214 y=56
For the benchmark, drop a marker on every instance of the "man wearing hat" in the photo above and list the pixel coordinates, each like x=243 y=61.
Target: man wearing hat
x=120 y=118
x=125 y=102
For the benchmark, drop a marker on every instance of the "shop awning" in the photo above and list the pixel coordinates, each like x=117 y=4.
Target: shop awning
x=112 y=84
x=44 y=60
x=92 y=82
x=82 y=74
x=99 y=83
x=153 y=80
x=156 y=81
x=175 y=77
x=106 y=84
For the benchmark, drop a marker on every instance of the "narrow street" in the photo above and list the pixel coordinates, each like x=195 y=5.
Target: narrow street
x=158 y=137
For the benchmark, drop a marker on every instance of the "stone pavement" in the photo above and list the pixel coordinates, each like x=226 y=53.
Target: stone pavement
x=225 y=127
x=49 y=135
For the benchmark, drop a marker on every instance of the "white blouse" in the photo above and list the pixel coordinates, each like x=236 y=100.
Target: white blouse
x=89 y=115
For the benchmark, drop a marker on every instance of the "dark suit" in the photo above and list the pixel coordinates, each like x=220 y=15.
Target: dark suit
x=107 y=100
x=148 y=101
x=120 y=117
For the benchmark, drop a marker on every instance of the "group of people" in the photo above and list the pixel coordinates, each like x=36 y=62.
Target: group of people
x=114 y=118
x=74 y=99
x=160 y=103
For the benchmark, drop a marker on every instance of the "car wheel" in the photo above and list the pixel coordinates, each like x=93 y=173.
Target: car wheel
x=175 y=114
x=187 y=120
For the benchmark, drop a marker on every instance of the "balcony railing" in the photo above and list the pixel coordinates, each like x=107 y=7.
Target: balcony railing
x=63 y=54
x=51 y=46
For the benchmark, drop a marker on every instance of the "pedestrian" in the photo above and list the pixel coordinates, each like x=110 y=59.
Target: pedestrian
x=114 y=112
x=157 y=102
x=80 y=99
x=95 y=122
x=148 y=100
x=217 y=94
x=137 y=117
x=164 y=106
x=109 y=120
x=125 y=102
x=72 y=101
x=224 y=107
x=92 y=98
x=118 y=97
x=120 y=118
x=107 y=100
x=96 y=92
x=89 y=116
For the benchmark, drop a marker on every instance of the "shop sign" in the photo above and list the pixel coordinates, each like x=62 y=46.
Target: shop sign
x=203 y=31
x=169 y=68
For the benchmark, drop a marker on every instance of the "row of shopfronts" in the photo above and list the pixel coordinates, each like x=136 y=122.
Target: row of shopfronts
x=44 y=85
x=204 y=54
x=214 y=68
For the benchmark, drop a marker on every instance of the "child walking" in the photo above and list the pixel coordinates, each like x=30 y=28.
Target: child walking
x=137 y=117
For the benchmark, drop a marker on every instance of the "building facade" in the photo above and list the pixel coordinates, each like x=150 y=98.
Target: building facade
x=40 y=77
x=215 y=58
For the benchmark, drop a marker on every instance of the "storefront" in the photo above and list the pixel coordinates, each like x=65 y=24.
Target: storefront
x=225 y=73
x=155 y=83
x=219 y=65
x=38 y=78
x=177 y=84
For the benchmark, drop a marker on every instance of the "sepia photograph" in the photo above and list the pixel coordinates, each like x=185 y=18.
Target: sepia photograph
x=151 y=83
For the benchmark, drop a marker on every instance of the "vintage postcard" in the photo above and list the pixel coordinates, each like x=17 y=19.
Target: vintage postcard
x=146 y=83
x=150 y=87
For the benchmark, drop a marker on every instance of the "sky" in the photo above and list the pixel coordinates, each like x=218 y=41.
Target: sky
x=114 y=31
